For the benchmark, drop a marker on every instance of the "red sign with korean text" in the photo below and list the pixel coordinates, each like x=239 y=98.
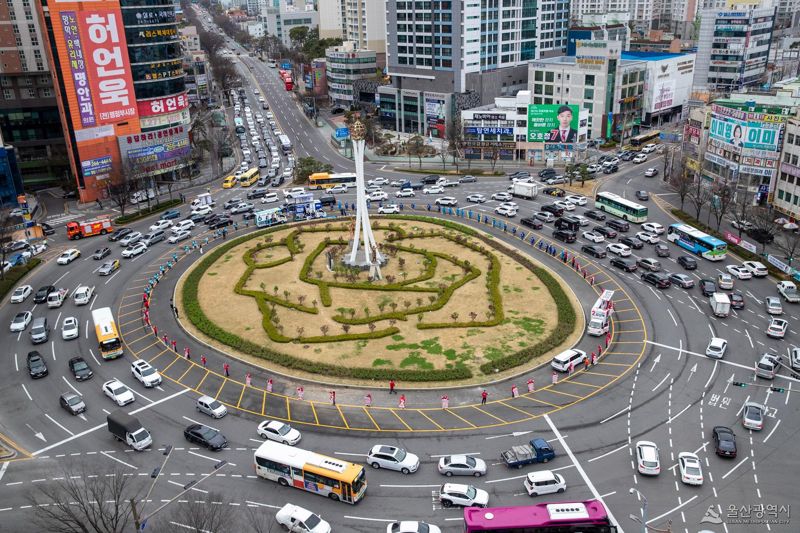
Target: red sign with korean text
x=167 y=104
x=107 y=65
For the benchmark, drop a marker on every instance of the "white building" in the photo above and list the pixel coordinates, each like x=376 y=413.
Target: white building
x=344 y=65
x=365 y=25
x=189 y=39
x=641 y=11
x=331 y=20
x=668 y=84
x=254 y=28
x=280 y=21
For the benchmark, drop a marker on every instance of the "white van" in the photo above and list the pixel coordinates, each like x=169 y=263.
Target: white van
x=562 y=361
x=544 y=482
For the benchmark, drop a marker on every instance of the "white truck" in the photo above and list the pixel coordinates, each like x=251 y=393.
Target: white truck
x=720 y=304
x=203 y=199
x=524 y=190
x=129 y=430
x=57 y=297
x=600 y=317
x=788 y=290
x=83 y=295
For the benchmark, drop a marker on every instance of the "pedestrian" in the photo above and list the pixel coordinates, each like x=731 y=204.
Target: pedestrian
x=514 y=391
x=208 y=190
x=332 y=397
x=484 y=395
x=608 y=339
x=175 y=312
x=402 y=403
x=584 y=270
x=155 y=331
x=591 y=281
x=269 y=385
x=227 y=368
x=586 y=363
x=247 y=379
x=599 y=350
x=368 y=400
x=187 y=353
x=203 y=360
x=175 y=346
x=555 y=377
x=391 y=387
x=300 y=392
x=144 y=298
x=166 y=340
x=571 y=368
x=531 y=385
x=201 y=250
x=445 y=401
x=594 y=359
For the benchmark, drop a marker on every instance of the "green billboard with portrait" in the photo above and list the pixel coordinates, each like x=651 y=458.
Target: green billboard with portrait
x=553 y=123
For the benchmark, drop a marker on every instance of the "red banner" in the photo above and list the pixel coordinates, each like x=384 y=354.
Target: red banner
x=167 y=104
x=107 y=65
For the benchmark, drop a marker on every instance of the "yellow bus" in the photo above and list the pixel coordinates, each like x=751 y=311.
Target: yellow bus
x=310 y=471
x=229 y=182
x=249 y=178
x=323 y=180
x=108 y=338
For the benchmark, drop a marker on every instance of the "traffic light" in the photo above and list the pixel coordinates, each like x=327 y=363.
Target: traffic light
x=777 y=389
x=738 y=384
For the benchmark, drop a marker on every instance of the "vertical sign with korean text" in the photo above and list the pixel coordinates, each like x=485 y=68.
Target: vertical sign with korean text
x=77 y=66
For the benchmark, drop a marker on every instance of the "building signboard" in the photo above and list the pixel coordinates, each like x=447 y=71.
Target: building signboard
x=94 y=167
x=167 y=119
x=552 y=123
x=156 y=152
x=664 y=95
x=746 y=134
x=487 y=116
x=489 y=144
x=164 y=104
x=790 y=169
x=489 y=131
x=77 y=65
x=435 y=112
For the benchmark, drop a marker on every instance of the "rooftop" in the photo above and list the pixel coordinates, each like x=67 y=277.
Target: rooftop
x=650 y=56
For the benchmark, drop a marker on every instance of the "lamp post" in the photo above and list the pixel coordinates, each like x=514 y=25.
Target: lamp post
x=643 y=519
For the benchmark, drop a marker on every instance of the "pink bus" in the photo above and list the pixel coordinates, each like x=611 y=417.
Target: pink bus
x=589 y=516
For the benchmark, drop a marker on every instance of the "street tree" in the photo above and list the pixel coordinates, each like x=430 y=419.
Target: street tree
x=200 y=517
x=699 y=195
x=740 y=211
x=681 y=180
x=763 y=220
x=721 y=202
x=6 y=230
x=416 y=147
x=455 y=139
x=788 y=242
x=307 y=166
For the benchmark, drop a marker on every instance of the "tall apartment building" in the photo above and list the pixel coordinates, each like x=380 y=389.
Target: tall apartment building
x=331 y=20
x=29 y=117
x=279 y=21
x=733 y=48
x=641 y=11
x=362 y=22
x=676 y=16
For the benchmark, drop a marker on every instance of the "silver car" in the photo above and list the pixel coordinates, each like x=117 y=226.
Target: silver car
x=774 y=306
x=462 y=465
x=753 y=416
x=393 y=458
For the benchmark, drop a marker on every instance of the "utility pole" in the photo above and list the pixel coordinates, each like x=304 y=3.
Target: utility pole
x=643 y=519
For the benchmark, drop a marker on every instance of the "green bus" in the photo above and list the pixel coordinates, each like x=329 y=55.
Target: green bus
x=619 y=206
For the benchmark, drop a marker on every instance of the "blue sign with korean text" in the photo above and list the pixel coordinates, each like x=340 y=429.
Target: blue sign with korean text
x=342 y=133
x=489 y=130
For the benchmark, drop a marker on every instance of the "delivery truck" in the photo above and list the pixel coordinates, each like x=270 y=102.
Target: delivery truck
x=720 y=304
x=524 y=190
x=203 y=199
x=536 y=451
x=129 y=430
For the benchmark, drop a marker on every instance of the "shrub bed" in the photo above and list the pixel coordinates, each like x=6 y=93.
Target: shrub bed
x=158 y=208
x=15 y=274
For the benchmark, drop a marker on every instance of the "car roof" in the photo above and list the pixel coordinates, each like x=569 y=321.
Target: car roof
x=543 y=475
x=717 y=341
x=454 y=487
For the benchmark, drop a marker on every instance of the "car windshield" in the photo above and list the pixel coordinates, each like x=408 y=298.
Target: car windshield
x=471 y=492
x=207 y=433
x=215 y=405
x=650 y=464
x=471 y=462
x=400 y=454
x=284 y=429
x=148 y=371
x=692 y=470
x=19 y=291
x=20 y=317
x=80 y=365
x=140 y=435
x=74 y=400
x=118 y=389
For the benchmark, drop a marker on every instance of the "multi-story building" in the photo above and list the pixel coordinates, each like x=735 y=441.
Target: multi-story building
x=365 y=25
x=733 y=48
x=332 y=16
x=611 y=31
x=668 y=84
x=676 y=16
x=641 y=11
x=786 y=14
x=10 y=177
x=279 y=21
x=344 y=65
x=195 y=65
x=190 y=39
x=610 y=87
x=787 y=187
x=29 y=117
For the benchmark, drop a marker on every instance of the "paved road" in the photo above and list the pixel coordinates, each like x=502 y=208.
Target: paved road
x=668 y=392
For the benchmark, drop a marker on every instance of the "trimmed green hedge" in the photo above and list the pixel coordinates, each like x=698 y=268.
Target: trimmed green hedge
x=144 y=213
x=14 y=274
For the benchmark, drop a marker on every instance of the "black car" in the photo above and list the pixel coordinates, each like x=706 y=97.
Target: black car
x=633 y=242
x=595 y=215
x=47 y=229
x=546 y=173
x=522 y=175
x=627 y=156
x=196 y=218
x=36 y=365
x=530 y=222
x=72 y=403
x=80 y=369
x=687 y=262
x=40 y=296
x=258 y=192
x=707 y=287
x=606 y=232
x=610 y=169
x=277 y=181
x=603 y=158
x=656 y=279
x=554 y=191
x=760 y=235
x=550 y=208
x=120 y=233
x=628 y=265
x=724 y=441
x=662 y=250
x=101 y=253
x=564 y=235
x=206 y=436
x=595 y=251
x=737 y=299
x=211 y=218
x=619 y=225
x=221 y=222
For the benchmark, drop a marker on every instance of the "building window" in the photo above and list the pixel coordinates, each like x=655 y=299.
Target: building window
x=790 y=138
x=780 y=194
x=538 y=75
x=589 y=80
x=588 y=94
x=46 y=92
x=31 y=93
x=8 y=94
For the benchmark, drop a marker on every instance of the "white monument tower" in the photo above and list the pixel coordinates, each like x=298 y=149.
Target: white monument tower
x=368 y=255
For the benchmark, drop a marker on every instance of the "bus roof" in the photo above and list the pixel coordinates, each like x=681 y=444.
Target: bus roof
x=539 y=515
x=620 y=199
x=697 y=234
x=308 y=460
x=102 y=315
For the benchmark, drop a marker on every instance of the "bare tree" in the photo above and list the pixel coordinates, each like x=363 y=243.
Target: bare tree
x=788 y=242
x=455 y=137
x=763 y=220
x=259 y=520
x=699 y=195
x=84 y=504
x=200 y=516
x=721 y=202
x=416 y=146
x=495 y=157
x=740 y=210
x=682 y=181
x=6 y=230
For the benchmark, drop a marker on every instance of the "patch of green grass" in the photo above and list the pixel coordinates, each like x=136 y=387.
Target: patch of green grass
x=397 y=338
x=248 y=328
x=471 y=332
x=450 y=354
x=534 y=326
x=381 y=362
x=522 y=344
x=317 y=350
x=403 y=346
x=493 y=353
x=416 y=359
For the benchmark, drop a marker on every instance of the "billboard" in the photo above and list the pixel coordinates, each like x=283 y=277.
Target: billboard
x=553 y=123
x=156 y=152
x=751 y=134
x=664 y=95
x=166 y=104
x=97 y=166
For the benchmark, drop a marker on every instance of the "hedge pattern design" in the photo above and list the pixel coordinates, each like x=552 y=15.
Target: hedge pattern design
x=398 y=239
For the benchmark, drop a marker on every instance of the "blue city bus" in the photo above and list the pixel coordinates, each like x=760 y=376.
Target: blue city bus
x=697 y=242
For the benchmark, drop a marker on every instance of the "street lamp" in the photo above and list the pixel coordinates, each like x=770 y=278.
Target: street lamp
x=643 y=519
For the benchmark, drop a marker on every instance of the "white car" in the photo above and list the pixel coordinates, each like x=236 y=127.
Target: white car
x=653 y=227
x=725 y=281
x=433 y=189
x=404 y=193
x=163 y=224
x=134 y=250
x=447 y=200
x=392 y=458
x=378 y=181
x=338 y=188
x=621 y=250
x=269 y=198
x=201 y=210
x=412 y=527
x=644 y=236
x=388 y=209
x=21 y=294
x=179 y=236
x=648 y=148
x=650 y=172
x=593 y=169
x=611 y=162
x=739 y=271
x=279 y=432
x=183 y=225
x=505 y=210
x=582 y=220
x=774 y=305
x=691 y=471
x=131 y=238
x=592 y=236
x=640 y=158
x=647 y=460
x=453 y=494
x=476 y=198
x=716 y=348
x=566 y=206
x=777 y=328
x=576 y=199
x=296 y=519
x=502 y=196
x=756 y=268
x=68 y=256
x=118 y=392
x=21 y=321
x=396 y=183
x=243 y=207
x=70 y=328
x=377 y=196
x=145 y=373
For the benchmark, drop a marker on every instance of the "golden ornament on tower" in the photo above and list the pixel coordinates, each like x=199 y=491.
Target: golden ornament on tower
x=358 y=131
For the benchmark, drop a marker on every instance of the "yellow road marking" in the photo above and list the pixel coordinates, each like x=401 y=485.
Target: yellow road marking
x=341 y=414
x=514 y=408
x=159 y=354
x=565 y=393
x=184 y=374
x=585 y=384
x=432 y=421
x=263 y=402
x=531 y=398
x=596 y=373
x=313 y=410
x=612 y=364
x=240 y=397
x=224 y=381
x=197 y=387
x=394 y=412
x=621 y=353
x=366 y=410
x=452 y=412
x=169 y=365
x=489 y=414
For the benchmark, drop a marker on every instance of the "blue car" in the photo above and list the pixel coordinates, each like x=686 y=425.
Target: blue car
x=172 y=213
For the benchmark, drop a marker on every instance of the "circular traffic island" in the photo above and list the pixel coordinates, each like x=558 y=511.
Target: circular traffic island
x=450 y=303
